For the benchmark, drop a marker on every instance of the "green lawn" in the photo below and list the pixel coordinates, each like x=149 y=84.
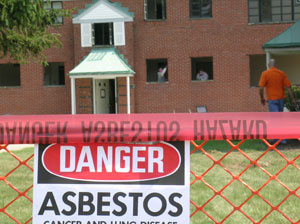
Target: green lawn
x=217 y=178
x=254 y=177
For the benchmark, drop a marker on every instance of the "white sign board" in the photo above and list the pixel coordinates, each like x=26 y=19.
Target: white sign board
x=107 y=183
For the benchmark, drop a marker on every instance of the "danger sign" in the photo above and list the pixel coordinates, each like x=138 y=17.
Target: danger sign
x=112 y=183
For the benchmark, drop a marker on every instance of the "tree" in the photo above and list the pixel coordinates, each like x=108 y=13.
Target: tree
x=24 y=29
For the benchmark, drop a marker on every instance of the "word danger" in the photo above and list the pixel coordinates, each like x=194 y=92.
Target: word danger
x=126 y=159
x=106 y=162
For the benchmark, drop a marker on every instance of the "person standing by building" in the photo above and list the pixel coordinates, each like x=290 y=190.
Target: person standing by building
x=274 y=81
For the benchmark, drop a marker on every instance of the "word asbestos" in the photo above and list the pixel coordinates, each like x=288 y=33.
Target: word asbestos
x=47 y=132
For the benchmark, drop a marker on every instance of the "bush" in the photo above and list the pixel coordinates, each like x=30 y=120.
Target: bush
x=288 y=100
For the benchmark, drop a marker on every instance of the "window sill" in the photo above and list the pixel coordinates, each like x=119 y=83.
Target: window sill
x=150 y=83
x=200 y=18
x=155 y=20
x=270 y=23
x=9 y=87
x=50 y=86
x=201 y=81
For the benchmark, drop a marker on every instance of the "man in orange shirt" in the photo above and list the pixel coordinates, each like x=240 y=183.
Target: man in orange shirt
x=275 y=81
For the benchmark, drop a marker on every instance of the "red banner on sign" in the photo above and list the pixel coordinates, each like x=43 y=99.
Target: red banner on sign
x=46 y=129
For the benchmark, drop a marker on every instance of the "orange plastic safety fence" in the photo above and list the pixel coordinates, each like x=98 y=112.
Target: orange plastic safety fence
x=276 y=201
x=20 y=192
x=230 y=183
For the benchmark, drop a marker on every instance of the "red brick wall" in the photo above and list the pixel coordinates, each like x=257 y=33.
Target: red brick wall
x=227 y=37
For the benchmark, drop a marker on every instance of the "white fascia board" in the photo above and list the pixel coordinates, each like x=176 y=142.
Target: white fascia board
x=102 y=20
x=109 y=76
x=126 y=18
x=282 y=50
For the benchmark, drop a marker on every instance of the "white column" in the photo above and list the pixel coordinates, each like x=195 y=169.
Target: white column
x=94 y=95
x=128 y=94
x=268 y=57
x=73 y=95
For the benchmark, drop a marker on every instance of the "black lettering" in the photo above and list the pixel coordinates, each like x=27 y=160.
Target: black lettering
x=213 y=129
x=61 y=132
x=261 y=129
x=85 y=199
x=136 y=126
x=112 y=131
x=198 y=135
x=236 y=129
x=47 y=131
x=135 y=197
x=39 y=132
x=161 y=126
x=176 y=204
x=174 y=125
x=102 y=203
x=24 y=133
x=100 y=130
x=149 y=131
x=69 y=203
x=11 y=133
x=221 y=122
x=86 y=132
x=248 y=132
x=1 y=133
x=163 y=204
x=122 y=130
x=121 y=204
x=52 y=207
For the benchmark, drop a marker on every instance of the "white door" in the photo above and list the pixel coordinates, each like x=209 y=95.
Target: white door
x=102 y=96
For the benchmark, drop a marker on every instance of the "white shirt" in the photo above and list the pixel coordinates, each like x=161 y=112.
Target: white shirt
x=202 y=76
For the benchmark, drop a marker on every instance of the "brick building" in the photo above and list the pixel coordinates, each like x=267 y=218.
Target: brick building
x=147 y=53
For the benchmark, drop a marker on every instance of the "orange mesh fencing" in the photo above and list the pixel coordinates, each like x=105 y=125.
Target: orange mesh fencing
x=231 y=183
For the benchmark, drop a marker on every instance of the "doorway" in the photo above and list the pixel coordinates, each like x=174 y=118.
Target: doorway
x=105 y=101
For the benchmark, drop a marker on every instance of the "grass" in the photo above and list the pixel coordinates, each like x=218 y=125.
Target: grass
x=217 y=178
x=254 y=177
x=21 y=179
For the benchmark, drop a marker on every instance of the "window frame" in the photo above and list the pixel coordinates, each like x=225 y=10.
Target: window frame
x=47 y=82
x=110 y=34
x=207 y=68
x=163 y=10
x=255 y=12
x=18 y=73
x=152 y=73
x=200 y=5
x=51 y=7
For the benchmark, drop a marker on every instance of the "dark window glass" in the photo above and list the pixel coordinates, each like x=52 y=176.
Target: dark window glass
x=54 y=74
x=157 y=70
x=263 y=11
x=155 y=9
x=9 y=75
x=200 y=8
x=103 y=34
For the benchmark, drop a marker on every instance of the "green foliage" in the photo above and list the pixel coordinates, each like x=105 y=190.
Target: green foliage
x=24 y=29
x=288 y=100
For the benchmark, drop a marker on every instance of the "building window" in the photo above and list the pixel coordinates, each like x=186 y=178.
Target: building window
x=155 y=9
x=200 y=8
x=157 y=70
x=9 y=75
x=202 y=69
x=54 y=74
x=103 y=34
x=264 y=11
x=55 y=5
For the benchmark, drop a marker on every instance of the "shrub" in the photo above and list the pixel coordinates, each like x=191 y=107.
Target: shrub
x=288 y=100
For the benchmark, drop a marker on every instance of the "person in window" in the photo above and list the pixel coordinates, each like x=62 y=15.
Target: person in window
x=161 y=74
x=201 y=75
